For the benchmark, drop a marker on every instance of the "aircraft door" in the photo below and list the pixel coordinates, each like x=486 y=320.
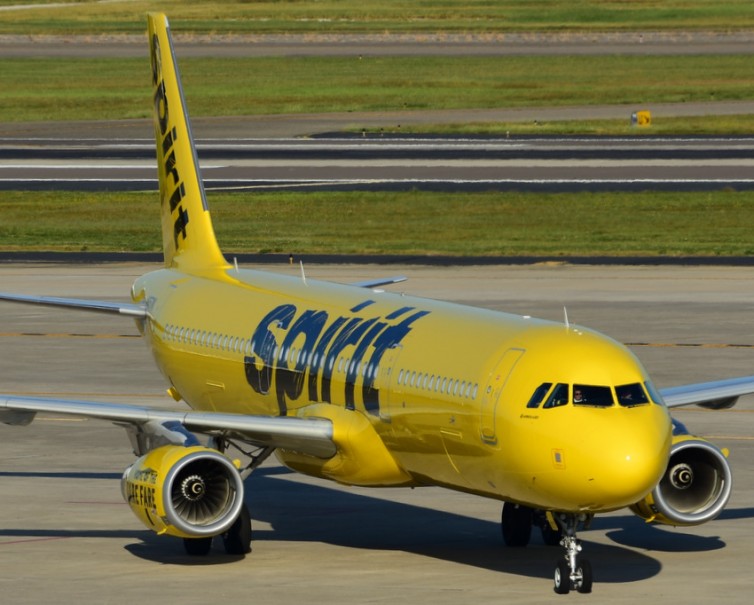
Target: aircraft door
x=386 y=383
x=493 y=392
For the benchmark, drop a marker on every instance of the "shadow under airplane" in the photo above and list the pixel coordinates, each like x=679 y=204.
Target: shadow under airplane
x=304 y=512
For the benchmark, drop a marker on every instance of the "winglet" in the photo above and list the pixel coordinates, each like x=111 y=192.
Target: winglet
x=188 y=238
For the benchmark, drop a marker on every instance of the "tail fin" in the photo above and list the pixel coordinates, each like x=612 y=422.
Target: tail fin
x=188 y=239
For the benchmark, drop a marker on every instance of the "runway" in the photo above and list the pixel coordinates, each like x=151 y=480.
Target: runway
x=390 y=163
x=66 y=536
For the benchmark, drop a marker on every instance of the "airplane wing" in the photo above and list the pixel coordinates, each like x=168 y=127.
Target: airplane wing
x=305 y=435
x=716 y=395
x=139 y=311
x=134 y=310
x=129 y=309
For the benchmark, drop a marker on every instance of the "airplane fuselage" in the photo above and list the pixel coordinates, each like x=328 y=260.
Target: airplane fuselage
x=449 y=390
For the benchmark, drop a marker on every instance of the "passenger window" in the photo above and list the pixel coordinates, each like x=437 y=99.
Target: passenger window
x=631 y=394
x=584 y=394
x=539 y=395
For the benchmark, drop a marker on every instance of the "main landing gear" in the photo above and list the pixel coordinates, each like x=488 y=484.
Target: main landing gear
x=517 y=523
x=572 y=571
x=236 y=541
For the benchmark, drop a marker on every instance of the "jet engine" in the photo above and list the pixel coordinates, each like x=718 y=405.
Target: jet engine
x=189 y=492
x=695 y=487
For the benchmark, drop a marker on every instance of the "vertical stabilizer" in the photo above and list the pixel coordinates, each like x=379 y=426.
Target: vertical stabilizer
x=187 y=236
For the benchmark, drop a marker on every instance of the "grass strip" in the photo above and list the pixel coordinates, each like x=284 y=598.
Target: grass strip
x=480 y=16
x=712 y=125
x=96 y=89
x=582 y=224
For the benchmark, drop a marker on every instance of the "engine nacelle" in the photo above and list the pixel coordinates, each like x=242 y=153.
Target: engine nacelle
x=695 y=487
x=189 y=492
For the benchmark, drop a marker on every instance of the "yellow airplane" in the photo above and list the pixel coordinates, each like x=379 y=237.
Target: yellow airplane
x=364 y=387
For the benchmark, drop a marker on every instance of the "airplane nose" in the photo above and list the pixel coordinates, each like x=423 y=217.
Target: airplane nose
x=620 y=460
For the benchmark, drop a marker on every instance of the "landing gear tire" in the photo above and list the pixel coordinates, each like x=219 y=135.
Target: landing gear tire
x=562 y=578
x=582 y=580
x=516 y=524
x=237 y=540
x=584 y=570
x=197 y=547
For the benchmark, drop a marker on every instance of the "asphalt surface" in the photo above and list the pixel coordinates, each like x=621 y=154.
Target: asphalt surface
x=67 y=537
x=390 y=163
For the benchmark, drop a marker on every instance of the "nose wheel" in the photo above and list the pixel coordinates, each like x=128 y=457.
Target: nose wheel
x=572 y=572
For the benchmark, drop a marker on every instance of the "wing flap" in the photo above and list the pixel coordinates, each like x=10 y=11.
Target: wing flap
x=313 y=436
x=718 y=394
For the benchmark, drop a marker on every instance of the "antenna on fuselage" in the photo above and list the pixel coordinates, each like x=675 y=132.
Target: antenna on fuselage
x=565 y=316
x=303 y=275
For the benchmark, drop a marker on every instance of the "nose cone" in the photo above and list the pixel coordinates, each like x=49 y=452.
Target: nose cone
x=615 y=458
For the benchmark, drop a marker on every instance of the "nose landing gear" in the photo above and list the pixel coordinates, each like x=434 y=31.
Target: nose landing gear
x=573 y=571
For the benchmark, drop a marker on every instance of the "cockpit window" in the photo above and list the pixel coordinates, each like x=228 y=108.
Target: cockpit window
x=539 y=395
x=654 y=394
x=584 y=394
x=631 y=394
x=558 y=397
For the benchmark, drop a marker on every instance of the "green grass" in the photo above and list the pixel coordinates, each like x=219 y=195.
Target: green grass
x=383 y=15
x=78 y=89
x=583 y=224
x=728 y=125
